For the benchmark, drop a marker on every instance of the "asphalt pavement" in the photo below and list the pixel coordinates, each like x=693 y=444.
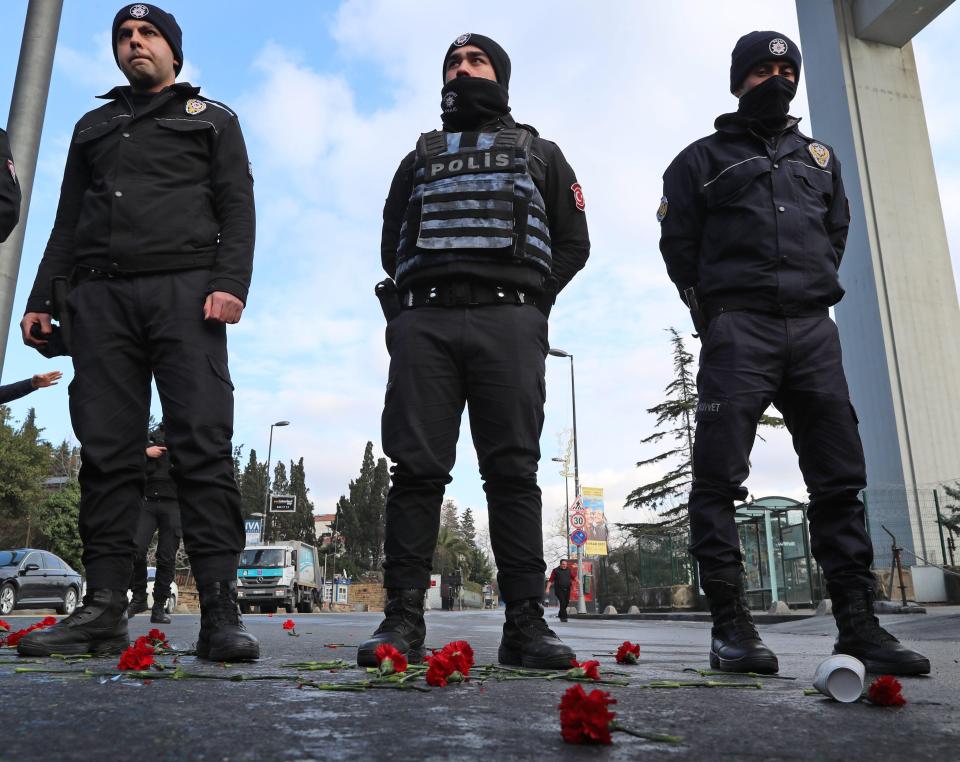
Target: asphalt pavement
x=75 y=717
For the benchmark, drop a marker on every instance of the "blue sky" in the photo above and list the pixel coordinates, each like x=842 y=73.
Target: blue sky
x=332 y=95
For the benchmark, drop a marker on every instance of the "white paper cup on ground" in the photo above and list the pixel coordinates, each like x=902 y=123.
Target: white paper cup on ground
x=841 y=678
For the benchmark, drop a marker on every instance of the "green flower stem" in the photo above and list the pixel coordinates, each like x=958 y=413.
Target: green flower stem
x=616 y=727
x=311 y=666
x=699 y=684
x=718 y=673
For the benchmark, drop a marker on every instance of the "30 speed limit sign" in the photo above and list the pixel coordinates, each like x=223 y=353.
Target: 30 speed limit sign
x=578 y=521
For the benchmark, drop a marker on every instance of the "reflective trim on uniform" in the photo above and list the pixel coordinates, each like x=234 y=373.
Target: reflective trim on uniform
x=819 y=169
x=751 y=158
x=482 y=199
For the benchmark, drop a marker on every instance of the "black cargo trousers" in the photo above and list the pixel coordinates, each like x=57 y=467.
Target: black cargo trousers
x=125 y=331
x=490 y=358
x=748 y=361
x=160 y=516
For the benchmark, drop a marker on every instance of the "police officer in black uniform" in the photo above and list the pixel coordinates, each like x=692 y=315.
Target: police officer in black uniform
x=753 y=226
x=160 y=515
x=9 y=189
x=483 y=224
x=156 y=226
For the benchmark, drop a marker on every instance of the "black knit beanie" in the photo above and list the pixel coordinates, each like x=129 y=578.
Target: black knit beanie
x=497 y=55
x=163 y=21
x=758 y=47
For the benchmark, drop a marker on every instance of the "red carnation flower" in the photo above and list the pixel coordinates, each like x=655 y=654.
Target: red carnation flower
x=48 y=621
x=588 y=669
x=885 y=691
x=291 y=627
x=4 y=625
x=390 y=660
x=14 y=637
x=441 y=670
x=628 y=653
x=460 y=654
x=137 y=657
x=585 y=718
x=157 y=636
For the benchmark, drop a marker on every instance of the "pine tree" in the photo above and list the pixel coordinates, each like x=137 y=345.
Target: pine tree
x=675 y=423
x=468 y=529
x=301 y=522
x=448 y=517
x=253 y=486
x=360 y=514
x=279 y=526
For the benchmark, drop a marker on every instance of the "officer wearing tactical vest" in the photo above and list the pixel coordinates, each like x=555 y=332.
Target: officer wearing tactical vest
x=9 y=189
x=483 y=224
x=753 y=226
x=156 y=227
x=161 y=515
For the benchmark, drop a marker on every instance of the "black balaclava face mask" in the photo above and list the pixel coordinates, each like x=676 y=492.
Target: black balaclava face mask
x=768 y=103
x=469 y=102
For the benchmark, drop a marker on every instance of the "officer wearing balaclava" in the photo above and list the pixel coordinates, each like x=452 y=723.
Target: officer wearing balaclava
x=753 y=226
x=9 y=189
x=483 y=225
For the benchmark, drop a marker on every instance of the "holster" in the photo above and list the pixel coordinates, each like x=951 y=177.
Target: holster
x=58 y=343
x=389 y=297
x=700 y=322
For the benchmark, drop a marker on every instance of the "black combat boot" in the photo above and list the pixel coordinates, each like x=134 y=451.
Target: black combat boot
x=138 y=603
x=528 y=642
x=98 y=627
x=861 y=636
x=735 y=644
x=158 y=614
x=402 y=627
x=222 y=634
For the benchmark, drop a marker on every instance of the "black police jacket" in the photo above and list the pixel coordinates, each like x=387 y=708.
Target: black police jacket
x=167 y=188
x=562 y=196
x=755 y=223
x=160 y=485
x=9 y=189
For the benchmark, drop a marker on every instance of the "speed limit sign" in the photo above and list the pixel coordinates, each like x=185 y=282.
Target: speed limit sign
x=578 y=520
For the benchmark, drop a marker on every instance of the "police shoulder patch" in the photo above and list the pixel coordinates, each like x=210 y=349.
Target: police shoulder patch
x=195 y=106
x=820 y=154
x=578 y=196
x=662 y=209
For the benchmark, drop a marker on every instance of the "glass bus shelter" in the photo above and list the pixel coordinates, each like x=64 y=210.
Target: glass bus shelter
x=775 y=542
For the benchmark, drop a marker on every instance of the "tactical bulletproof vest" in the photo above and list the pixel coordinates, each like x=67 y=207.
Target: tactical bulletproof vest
x=474 y=203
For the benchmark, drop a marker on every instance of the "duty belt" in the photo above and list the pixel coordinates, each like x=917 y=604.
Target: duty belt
x=464 y=294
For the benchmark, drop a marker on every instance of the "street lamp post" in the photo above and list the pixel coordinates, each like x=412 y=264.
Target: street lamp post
x=566 y=506
x=266 y=502
x=581 y=603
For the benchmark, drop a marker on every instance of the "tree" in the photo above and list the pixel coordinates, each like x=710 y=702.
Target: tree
x=951 y=520
x=253 y=486
x=360 y=514
x=468 y=529
x=24 y=464
x=451 y=552
x=57 y=525
x=675 y=423
x=448 y=516
x=299 y=524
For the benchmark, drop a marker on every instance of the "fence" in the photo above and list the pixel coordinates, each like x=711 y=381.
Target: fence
x=921 y=518
x=663 y=559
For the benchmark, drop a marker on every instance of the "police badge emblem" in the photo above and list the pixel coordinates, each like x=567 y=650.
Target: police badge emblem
x=461 y=40
x=138 y=11
x=662 y=209
x=450 y=102
x=195 y=106
x=820 y=154
x=778 y=46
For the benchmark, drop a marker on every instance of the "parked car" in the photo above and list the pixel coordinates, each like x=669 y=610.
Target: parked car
x=174 y=591
x=37 y=579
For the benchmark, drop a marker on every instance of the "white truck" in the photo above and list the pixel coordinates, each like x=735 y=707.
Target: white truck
x=279 y=574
